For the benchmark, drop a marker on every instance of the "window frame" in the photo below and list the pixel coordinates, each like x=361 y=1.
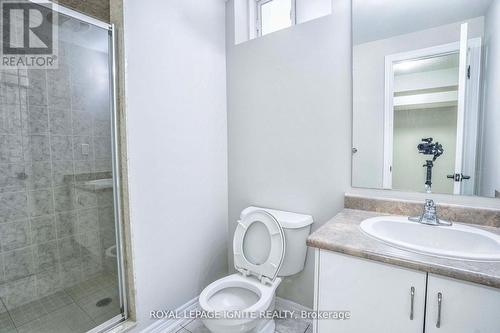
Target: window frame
x=258 y=16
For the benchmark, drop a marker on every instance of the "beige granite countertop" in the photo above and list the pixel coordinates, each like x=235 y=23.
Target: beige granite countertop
x=343 y=234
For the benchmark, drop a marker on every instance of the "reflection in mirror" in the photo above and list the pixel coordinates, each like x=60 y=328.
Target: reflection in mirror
x=425 y=107
x=426 y=91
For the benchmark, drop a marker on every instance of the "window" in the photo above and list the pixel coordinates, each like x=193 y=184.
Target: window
x=274 y=15
x=255 y=18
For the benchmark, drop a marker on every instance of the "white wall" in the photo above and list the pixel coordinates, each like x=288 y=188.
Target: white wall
x=306 y=10
x=289 y=121
x=177 y=148
x=368 y=92
x=380 y=19
x=490 y=167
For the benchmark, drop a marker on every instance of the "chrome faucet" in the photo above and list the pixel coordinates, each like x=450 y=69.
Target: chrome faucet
x=429 y=215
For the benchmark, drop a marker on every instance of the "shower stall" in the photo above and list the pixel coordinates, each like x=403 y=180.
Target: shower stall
x=61 y=264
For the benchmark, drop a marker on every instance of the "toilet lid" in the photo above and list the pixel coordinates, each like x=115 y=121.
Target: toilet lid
x=257 y=250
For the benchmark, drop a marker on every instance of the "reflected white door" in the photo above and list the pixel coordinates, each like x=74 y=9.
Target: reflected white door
x=462 y=82
x=470 y=149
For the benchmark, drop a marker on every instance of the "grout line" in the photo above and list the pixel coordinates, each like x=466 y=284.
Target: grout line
x=46 y=313
x=180 y=329
x=8 y=312
x=73 y=191
x=65 y=305
x=189 y=322
x=58 y=259
x=78 y=305
x=26 y=190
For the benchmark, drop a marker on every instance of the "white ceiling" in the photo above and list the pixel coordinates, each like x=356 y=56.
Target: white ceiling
x=379 y=19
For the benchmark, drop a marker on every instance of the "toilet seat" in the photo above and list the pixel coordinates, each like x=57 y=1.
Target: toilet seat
x=268 y=270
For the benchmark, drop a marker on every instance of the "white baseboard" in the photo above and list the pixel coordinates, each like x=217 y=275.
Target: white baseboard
x=172 y=325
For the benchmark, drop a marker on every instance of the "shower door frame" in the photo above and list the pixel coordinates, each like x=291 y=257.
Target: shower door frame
x=111 y=29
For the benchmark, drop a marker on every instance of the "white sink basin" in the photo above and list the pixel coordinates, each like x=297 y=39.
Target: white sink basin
x=457 y=241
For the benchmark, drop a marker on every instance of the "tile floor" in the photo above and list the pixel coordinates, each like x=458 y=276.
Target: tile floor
x=72 y=310
x=282 y=326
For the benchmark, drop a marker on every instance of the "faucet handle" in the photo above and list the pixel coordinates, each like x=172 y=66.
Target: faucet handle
x=429 y=203
x=430 y=211
x=429 y=215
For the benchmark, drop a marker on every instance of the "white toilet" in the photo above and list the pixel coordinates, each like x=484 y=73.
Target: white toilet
x=267 y=245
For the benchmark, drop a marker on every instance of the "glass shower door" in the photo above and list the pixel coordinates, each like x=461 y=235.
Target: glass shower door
x=59 y=267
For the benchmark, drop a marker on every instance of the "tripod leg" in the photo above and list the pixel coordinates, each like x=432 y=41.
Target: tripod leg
x=428 y=181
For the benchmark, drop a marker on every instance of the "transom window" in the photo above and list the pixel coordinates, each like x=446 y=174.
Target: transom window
x=274 y=15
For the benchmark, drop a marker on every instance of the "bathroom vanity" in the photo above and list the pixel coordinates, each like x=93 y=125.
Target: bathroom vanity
x=389 y=289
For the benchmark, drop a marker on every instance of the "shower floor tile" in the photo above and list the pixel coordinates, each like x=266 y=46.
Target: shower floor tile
x=56 y=301
x=72 y=310
x=66 y=320
x=83 y=290
x=26 y=313
x=6 y=323
x=89 y=304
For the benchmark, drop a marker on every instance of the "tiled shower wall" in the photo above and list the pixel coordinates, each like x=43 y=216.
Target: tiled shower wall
x=96 y=8
x=55 y=137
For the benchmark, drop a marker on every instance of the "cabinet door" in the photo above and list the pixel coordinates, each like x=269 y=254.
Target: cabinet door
x=378 y=296
x=465 y=307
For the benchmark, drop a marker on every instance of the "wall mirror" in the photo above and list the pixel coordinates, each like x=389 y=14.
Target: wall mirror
x=426 y=96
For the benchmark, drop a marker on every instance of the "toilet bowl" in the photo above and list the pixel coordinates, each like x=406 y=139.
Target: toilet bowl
x=267 y=244
x=244 y=296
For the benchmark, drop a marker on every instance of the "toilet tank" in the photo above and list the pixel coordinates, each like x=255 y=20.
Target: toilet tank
x=296 y=228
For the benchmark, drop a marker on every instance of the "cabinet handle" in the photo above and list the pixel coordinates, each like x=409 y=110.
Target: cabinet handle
x=412 y=295
x=440 y=302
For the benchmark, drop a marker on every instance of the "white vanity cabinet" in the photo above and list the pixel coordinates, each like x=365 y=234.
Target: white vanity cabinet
x=465 y=307
x=386 y=298
x=379 y=297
